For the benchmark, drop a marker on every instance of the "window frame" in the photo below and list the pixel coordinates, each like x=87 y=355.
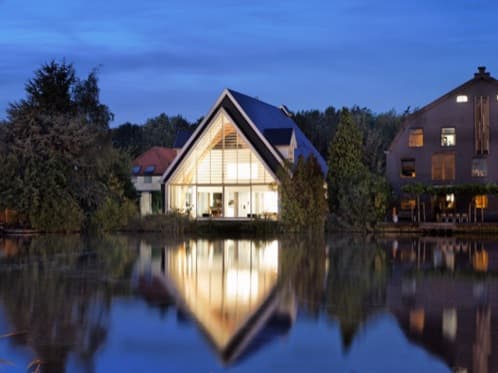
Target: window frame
x=412 y=132
x=481 y=159
x=443 y=166
x=447 y=135
x=414 y=174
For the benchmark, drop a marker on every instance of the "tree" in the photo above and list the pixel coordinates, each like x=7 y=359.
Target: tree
x=64 y=160
x=357 y=197
x=304 y=205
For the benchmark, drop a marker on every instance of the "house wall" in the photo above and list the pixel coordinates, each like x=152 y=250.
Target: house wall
x=141 y=186
x=447 y=112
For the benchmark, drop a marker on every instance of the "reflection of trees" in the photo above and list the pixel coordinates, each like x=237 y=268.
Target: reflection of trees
x=356 y=283
x=303 y=262
x=58 y=292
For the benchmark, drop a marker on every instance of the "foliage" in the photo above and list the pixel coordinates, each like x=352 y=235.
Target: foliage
x=60 y=161
x=158 y=131
x=358 y=198
x=304 y=204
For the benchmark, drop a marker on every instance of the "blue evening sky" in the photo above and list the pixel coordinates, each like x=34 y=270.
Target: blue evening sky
x=176 y=56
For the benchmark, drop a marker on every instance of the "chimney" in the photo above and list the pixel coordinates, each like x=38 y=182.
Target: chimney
x=286 y=111
x=481 y=72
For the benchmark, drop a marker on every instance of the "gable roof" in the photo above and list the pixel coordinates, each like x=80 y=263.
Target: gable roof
x=158 y=157
x=253 y=117
x=268 y=117
x=479 y=76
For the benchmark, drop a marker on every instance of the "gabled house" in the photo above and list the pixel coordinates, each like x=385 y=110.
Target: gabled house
x=451 y=141
x=229 y=167
x=147 y=170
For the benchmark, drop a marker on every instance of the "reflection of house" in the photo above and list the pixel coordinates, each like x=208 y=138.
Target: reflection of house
x=146 y=176
x=448 y=142
x=452 y=316
x=229 y=288
x=229 y=166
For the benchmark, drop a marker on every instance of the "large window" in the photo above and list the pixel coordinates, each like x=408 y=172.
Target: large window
x=416 y=138
x=443 y=166
x=448 y=136
x=222 y=176
x=479 y=167
x=408 y=167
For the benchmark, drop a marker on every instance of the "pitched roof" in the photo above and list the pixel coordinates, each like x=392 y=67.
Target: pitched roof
x=181 y=138
x=158 y=157
x=267 y=117
x=279 y=136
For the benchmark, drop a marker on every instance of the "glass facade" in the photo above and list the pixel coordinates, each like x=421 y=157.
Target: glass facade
x=222 y=176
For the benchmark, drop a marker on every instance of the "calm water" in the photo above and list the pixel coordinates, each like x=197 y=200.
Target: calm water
x=345 y=304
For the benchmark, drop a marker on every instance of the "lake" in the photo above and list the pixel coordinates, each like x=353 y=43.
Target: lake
x=119 y=303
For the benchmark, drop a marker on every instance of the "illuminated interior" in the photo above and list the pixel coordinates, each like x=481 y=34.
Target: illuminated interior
x=223 y=283
x=223 y=176
x=462 y=98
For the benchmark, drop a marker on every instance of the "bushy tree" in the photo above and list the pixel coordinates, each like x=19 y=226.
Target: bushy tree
x=357 y=197
x=303 y=196
x=58 y=150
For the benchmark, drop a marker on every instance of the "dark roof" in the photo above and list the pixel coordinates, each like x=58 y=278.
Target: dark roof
x=279 y=136
x=154 y=161
x=181 y=138
x=266 y=116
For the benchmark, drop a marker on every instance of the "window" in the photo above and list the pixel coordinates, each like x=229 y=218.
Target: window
x=479 y=167
x=443 y=166
x=481 y=201
x=448 y=136
x=149 y=169
x=462 y=98
x=408 y=204
x=408 y=167
x=135 y=170
x=416 y=138
x=450 y=201
x=147 y=179
x=481 y=124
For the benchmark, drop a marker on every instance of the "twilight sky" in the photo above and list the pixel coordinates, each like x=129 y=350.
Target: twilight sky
x=176 y=56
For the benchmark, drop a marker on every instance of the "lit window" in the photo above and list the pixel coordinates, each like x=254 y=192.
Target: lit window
x=408 y=204
x=462 y=98
x=408 y=167
x=479 y=167
x=481 y=201
x=416 y=138
x=443 y=166
x=448 y=136
x=450 y=201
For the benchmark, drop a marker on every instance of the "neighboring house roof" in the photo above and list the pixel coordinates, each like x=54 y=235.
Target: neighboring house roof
x=279 y=136
x=181 y=138
x=254 y=117
x=153 y=162
x=480 y=75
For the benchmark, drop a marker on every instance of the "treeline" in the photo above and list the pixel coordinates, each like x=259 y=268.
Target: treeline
x=158 y=131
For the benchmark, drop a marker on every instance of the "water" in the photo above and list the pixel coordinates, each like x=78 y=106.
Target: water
x=345 y=304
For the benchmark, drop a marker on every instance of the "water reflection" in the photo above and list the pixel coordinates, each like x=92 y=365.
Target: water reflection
x=56 y=294
x=444 y=294
x=437 y=297
x=230 y=287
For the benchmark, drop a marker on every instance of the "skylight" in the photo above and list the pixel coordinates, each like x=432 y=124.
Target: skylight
x=135 y=170
x=149 y=169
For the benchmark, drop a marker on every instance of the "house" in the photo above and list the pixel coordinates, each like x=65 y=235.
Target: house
x=147 y=170
x=450 y=142
x=229 y=166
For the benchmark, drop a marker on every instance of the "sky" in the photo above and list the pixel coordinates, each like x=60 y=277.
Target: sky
x=176 y=56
